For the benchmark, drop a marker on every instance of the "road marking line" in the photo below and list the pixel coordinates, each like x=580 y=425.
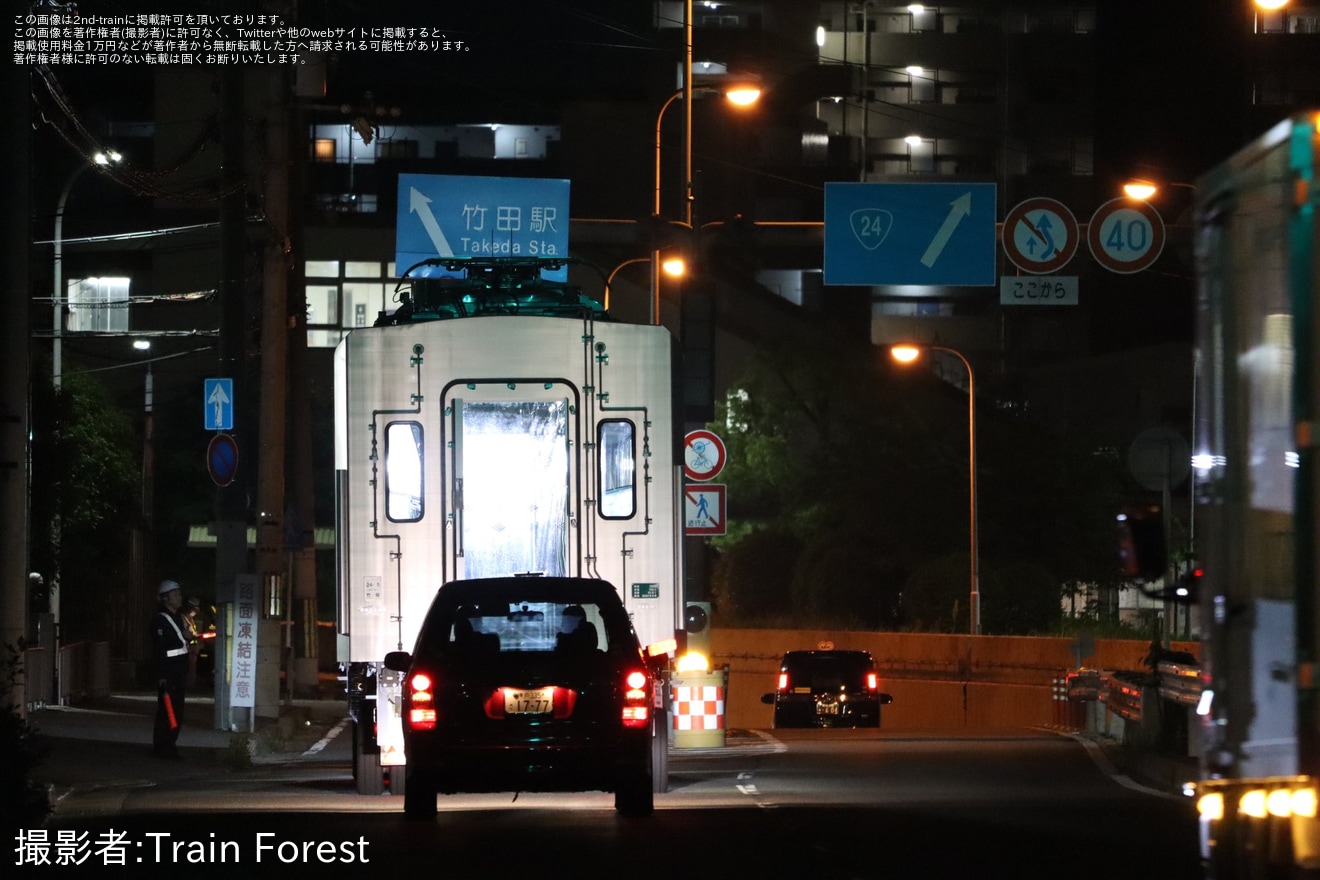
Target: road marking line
x=325 y=740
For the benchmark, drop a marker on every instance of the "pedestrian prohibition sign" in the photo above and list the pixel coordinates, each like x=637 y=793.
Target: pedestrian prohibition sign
x=703 y=455
x=1125 y=235
x=703 y=509
x=1040 y=236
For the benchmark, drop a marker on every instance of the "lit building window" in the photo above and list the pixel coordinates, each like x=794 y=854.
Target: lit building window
x=323 y=150
x=921 y=83
x=98 y=305
x=321 y=269
x=361 y=269
x=337 y=304
x=921 y=155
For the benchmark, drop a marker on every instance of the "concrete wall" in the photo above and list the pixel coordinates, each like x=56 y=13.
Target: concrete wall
x=939 y=682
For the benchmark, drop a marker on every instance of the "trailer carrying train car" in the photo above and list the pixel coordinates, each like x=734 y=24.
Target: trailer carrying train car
x=1258 y=498
x=497 y=423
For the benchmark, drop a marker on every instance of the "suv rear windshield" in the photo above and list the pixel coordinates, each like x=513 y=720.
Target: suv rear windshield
x=821 y=670
x=531 y=626
x=526 y=614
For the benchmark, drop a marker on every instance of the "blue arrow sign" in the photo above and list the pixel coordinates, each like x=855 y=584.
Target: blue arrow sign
x=218 y=404
x=445 y=215
x=910 y=233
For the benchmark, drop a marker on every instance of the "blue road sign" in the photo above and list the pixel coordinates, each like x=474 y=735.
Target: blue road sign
x=222 y=459
x=444 y=215
x=910 y=233
x=218 y=404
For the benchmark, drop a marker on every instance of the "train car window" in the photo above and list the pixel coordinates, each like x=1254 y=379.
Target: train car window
x=616 y=440
x=403 y=471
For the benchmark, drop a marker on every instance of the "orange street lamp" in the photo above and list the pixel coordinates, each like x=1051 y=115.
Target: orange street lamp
x=1140 y=189
x=908 y=354
x=674 y=267
x=1143 y=189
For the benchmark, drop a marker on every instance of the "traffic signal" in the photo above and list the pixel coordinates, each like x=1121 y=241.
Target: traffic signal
x=38 y=594
x=1142 y=553
x=1188 y=587
x=696 y=623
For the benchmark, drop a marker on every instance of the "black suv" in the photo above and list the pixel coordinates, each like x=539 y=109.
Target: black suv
x=526 y=684
x=827 y=689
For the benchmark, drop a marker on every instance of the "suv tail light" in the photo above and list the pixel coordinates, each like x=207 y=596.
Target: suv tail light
x=783 y=681
x=871 y=682
x=636 y=698
x=421 y=709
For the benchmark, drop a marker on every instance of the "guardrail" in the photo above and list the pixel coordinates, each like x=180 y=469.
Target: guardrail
x=1123 y=697
x=1180 y=682
x=1124 y=692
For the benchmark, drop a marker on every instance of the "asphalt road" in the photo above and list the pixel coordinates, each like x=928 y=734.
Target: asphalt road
x=847 y=804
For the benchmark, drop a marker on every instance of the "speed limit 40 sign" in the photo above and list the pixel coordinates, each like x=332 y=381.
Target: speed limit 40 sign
x=1125 y=235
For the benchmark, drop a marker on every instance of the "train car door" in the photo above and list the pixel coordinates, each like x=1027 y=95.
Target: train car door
x=511 y=477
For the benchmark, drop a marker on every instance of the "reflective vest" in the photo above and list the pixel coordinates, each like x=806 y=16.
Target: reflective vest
x=183 y=643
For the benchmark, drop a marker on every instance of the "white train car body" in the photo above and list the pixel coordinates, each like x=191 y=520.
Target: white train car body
x=497 y=445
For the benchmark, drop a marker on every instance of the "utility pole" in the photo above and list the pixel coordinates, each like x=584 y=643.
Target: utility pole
x=273 y=636
x=305 y=664
x=14 y=378
x=231 y=507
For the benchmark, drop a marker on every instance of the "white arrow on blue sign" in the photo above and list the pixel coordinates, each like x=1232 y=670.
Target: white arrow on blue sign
x=910 y=233
x=460 y=217
x=218 y=404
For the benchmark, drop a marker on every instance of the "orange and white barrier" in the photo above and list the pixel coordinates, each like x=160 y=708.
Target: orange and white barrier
x=698 y=709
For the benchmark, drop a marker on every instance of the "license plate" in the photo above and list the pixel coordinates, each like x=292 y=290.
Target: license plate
x=827 y=708
x=540 y=701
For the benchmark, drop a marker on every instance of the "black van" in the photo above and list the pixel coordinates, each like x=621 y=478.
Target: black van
x=526 y=684
x=827 y=689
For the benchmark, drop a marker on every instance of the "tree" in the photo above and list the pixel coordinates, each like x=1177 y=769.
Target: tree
x=1019 y=599
x=752 y=581
x=937 y=593
x=827 y=441
x=826 y=446
x=840 y=579
x=85 y=479
x=23 y=801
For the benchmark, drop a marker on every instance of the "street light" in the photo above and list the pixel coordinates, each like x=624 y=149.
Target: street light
x=1143 y=189
x=109 y=157
x=674 y=267
x=740 y=95
x=907 y=354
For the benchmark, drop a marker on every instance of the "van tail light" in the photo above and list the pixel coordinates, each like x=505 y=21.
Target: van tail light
x=636 y=698
x=871 y=682
x=421 y=702
x=783 y=681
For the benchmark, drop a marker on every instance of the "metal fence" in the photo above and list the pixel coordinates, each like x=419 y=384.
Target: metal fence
x=77 y=672
x=39 y=677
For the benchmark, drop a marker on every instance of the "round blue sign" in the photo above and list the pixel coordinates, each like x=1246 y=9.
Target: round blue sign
x=222 y=459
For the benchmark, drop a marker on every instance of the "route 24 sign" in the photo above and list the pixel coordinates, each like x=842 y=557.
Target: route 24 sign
x=910 y=233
